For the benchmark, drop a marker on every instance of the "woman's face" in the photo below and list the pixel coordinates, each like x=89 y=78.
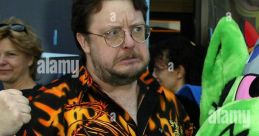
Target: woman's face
x=14 y=65
x=164 y=71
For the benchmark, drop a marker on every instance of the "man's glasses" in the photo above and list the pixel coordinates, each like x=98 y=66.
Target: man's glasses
x=14 y=27
x=116 y=36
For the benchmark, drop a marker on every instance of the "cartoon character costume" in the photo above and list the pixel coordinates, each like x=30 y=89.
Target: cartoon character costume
x=238 y=112
x=226 y=57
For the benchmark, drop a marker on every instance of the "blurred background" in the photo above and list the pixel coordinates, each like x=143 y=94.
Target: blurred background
x=194 y=19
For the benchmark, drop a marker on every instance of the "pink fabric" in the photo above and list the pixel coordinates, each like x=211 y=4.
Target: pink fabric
x=243 y=89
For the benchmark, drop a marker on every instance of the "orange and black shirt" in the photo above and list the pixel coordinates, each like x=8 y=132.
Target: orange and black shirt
x=30 y=94
x=77 y=107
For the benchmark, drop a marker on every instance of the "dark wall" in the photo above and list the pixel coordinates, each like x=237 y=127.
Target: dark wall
x=49 y=18
x=187 y=25
x=1 y=86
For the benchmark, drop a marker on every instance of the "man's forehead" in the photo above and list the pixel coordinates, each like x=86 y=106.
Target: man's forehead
x=114 y=10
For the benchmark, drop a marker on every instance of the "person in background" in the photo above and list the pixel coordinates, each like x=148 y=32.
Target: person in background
x=176 y=63
x=19 y=52
x=113 y=95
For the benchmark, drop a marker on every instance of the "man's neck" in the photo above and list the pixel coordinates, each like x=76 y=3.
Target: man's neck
x=127 y=97
x=121 y=94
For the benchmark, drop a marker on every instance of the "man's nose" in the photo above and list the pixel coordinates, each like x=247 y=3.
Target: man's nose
x=129 y=41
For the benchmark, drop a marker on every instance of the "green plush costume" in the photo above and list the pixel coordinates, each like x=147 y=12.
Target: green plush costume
x=226 y=57
x=238 y=118
x=238 y=115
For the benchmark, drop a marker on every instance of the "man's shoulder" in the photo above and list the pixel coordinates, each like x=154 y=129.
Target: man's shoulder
x=149 y=81
x=61 y=87
x=72 y=80
x=169 y=94
x=65 y=80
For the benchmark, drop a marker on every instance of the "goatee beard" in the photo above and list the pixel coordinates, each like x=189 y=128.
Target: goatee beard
x=116 y=78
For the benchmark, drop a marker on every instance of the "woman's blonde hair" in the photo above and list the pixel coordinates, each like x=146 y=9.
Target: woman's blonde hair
x=25 y=41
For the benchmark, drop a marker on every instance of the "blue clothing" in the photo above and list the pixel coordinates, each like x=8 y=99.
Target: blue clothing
x=189 y=96
x=191 y=92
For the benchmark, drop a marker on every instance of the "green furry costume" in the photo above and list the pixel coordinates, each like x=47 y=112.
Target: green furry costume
x=233 y=119
x=226 y=57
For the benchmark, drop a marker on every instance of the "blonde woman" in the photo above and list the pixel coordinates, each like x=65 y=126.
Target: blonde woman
x=19 y=52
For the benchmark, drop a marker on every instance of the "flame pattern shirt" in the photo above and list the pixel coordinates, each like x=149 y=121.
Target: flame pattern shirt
x=77 y=107
x=29 y=94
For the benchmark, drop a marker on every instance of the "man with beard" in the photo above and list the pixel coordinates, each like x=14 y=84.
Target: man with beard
x=113 y=94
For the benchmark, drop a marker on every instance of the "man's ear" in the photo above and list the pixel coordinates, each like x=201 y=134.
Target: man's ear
x=83 y=42
x=180 y=72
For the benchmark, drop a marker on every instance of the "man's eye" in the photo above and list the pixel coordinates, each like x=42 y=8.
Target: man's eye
x=138 y=29
x=113 y=33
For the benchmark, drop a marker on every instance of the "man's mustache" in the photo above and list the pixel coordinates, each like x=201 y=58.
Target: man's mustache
x=128 y=55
